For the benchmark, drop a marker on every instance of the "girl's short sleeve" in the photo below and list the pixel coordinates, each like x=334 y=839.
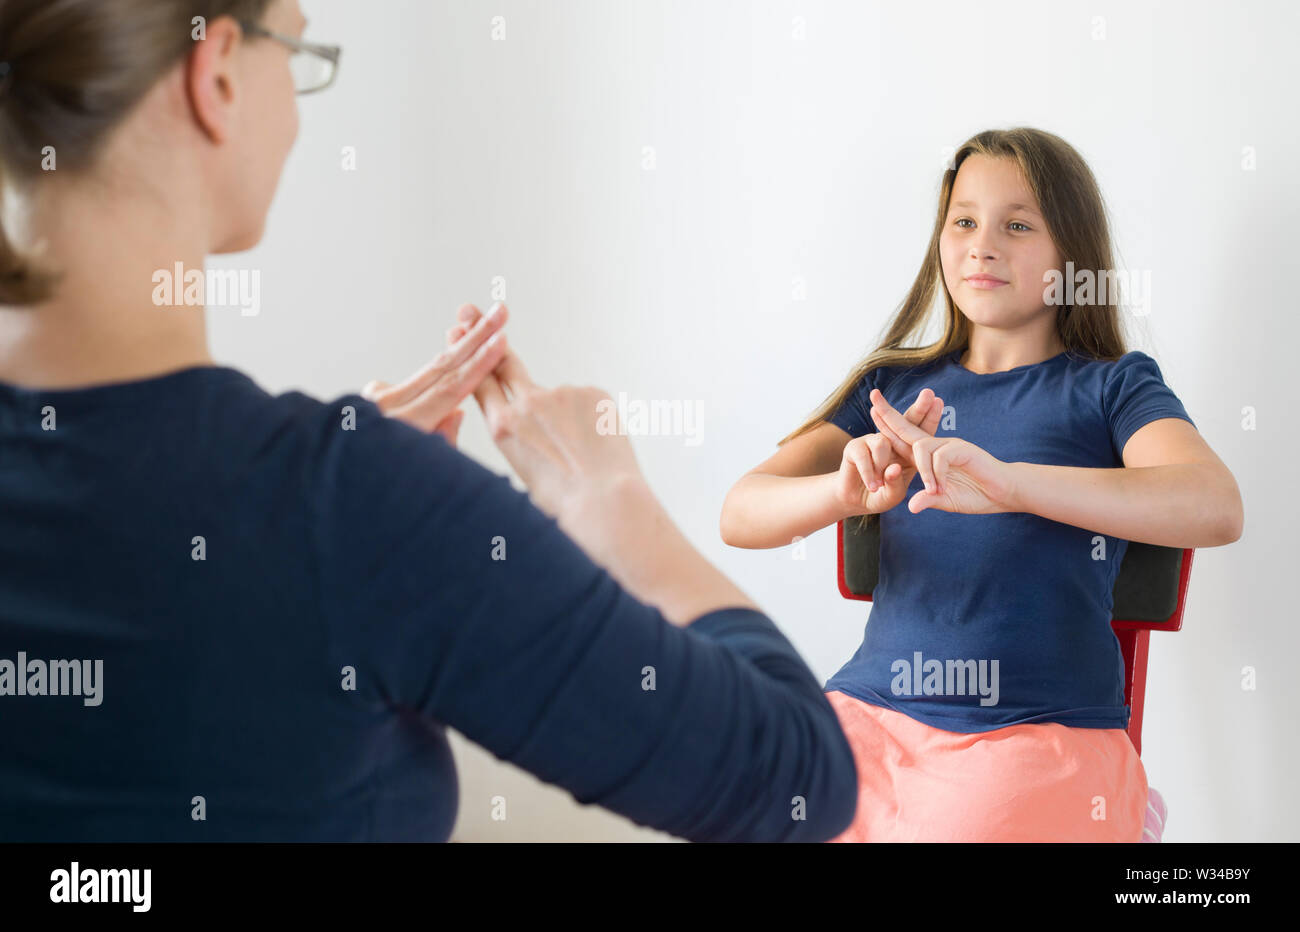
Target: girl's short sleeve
x=854 y=415
x=1135 y=394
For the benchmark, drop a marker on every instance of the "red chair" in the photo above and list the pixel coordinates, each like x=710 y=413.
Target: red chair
x=1149 y=595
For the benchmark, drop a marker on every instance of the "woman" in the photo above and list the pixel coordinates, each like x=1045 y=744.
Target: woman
x=230 y=615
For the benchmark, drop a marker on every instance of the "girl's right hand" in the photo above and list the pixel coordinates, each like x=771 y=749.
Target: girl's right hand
x=872 y=477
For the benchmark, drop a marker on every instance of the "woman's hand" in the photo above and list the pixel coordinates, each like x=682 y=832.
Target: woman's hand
x=430 y=399
x=959 y=476
x=553 y=437
x=872 y=477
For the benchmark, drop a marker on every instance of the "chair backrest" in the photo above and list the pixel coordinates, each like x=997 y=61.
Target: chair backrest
x=1150 y=593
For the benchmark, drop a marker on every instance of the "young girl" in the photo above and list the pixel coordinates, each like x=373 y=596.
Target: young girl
x=986 y=702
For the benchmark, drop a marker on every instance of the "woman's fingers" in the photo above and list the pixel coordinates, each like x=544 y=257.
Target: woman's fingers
x=512 y=374
x=450 y=426
x=445 y=365
x=373 y=389
x=436 y=402
x=468 y=315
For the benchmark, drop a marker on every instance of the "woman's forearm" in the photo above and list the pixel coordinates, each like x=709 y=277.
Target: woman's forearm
x=1182 y=505
x=763 y=511
x=625 y=529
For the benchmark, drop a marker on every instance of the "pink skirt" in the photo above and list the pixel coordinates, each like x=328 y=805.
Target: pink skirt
x=1022 y=783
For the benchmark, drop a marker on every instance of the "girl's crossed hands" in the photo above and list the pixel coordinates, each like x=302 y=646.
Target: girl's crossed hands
x=959 y=476
x=872 y=477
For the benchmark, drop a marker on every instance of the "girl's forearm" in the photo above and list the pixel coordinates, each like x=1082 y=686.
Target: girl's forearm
x=626 y=530
x=763 y=511
x=1183 y=505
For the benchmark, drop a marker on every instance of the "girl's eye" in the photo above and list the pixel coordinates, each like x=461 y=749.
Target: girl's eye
x=960 y=220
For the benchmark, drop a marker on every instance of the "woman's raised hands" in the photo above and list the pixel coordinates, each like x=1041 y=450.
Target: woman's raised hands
x=551 y=436
x=430 y=399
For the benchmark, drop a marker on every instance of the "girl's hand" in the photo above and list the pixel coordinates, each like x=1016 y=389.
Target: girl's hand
x=872 y=478
x=554 y=438
x=959 y=476
x=430 y=399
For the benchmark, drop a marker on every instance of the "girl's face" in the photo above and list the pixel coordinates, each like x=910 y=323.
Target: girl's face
x=994 y=228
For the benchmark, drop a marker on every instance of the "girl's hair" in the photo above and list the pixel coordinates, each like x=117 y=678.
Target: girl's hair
x=1071 y=205
x=70 y=71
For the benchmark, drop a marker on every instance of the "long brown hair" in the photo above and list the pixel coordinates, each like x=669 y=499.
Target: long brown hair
x=1073 y=209
x=70 y=71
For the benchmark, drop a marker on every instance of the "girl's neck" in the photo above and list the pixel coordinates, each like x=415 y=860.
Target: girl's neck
x=997 y=352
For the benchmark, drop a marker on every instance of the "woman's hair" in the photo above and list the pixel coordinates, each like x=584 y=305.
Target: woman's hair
x=70 y=71
x=1071 y=205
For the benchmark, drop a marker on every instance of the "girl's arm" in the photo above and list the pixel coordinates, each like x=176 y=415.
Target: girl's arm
x=1173 y=492
x=819 y=478
x=789 y=495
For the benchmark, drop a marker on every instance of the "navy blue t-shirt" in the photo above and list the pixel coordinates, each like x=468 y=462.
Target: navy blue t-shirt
x=250 y=617
x=983 y=621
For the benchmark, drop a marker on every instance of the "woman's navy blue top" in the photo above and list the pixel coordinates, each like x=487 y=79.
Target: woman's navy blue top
x=231 y=615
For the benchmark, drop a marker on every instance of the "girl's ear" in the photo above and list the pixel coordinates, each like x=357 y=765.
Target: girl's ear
x=211 y=78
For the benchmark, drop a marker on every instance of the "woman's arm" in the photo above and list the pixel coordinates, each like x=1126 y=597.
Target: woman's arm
x=624 y=528
x=1173 y=491
x=453 y=596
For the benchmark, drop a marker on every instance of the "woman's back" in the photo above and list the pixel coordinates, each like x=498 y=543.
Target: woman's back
x=291 y=598
x=163 y=530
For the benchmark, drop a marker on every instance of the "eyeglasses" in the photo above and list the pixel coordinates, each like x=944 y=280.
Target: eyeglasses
x=313 y=66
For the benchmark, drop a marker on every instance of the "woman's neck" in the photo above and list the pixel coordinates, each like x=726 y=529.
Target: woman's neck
x=103 y=325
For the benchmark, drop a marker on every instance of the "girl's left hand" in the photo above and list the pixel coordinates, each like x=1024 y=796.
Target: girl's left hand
x=959 y=476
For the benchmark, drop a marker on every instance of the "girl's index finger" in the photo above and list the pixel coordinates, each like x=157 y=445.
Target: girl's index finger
x=904 y=429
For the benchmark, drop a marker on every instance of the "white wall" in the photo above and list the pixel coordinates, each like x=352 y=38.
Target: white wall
x=775 y=158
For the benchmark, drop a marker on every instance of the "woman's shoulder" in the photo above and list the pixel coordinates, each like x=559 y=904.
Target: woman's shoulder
x=326 y=443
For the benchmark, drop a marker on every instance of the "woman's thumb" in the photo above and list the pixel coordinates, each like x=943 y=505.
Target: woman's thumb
x=372 y=389
x=450 y=426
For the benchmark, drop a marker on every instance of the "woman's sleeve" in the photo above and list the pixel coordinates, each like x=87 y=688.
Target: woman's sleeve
x=1134 y=395
x=854 y=415
x=453 y=595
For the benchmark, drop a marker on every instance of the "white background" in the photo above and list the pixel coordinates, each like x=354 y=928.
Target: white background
x=776 y=158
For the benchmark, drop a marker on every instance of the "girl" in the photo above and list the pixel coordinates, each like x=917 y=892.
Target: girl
x=986 y=700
